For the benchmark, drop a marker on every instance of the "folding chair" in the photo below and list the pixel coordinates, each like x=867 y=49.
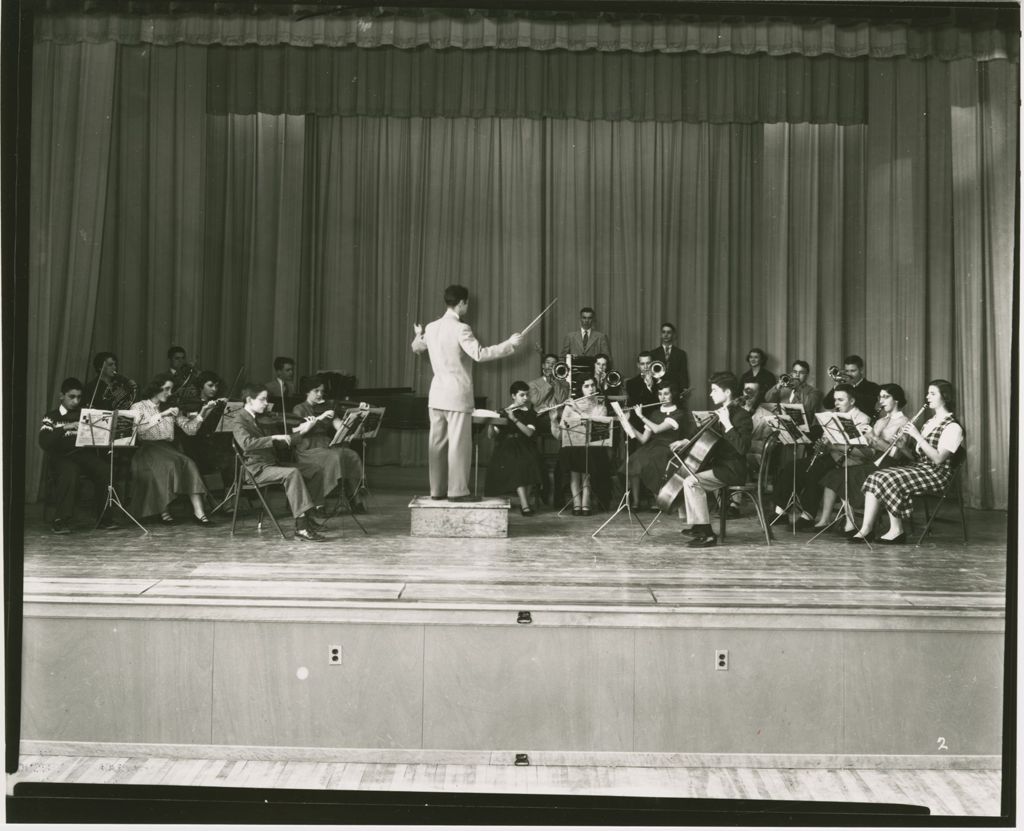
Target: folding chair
x=245 y=480
x=952 y=486
x=753 y=491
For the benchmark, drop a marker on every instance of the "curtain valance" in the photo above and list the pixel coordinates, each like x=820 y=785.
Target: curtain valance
x=982 y=35
x=456 y=83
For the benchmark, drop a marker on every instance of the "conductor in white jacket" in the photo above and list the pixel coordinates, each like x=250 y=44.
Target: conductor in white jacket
x=453 y=347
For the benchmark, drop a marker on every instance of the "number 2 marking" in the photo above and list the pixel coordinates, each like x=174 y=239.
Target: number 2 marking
x=942 y=743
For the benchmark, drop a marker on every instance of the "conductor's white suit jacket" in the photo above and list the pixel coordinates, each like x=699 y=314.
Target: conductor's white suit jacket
x=453 y=348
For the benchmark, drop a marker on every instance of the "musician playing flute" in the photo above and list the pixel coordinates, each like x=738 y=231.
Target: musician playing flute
x=936 y=445
x=515 y=462
x=727 y=459
x=453 y=348
x=880 y=435
x=662 y=427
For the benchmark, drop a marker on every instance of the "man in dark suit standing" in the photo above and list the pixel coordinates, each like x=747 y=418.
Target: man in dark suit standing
x=586 y=340
x=674 y=358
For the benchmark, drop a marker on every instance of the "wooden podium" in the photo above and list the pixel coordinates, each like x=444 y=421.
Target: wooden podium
x=441 y=518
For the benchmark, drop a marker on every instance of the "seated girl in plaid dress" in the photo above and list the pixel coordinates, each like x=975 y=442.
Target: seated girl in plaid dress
x=893 y=488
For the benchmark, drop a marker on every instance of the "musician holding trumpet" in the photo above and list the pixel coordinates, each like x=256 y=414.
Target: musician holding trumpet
x=794 y=389
x=865 y=392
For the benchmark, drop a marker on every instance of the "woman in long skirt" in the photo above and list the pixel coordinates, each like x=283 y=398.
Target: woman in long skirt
x=160 y=471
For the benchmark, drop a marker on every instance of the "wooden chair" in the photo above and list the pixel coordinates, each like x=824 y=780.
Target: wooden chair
x=754 y=491
x=245 y=481
x=953 y=488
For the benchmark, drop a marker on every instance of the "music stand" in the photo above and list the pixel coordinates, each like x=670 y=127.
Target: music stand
x=624 y=503
x=840 y=430
x=361 y=423
x=482 y=417
x=788 y=432
x=110 y=429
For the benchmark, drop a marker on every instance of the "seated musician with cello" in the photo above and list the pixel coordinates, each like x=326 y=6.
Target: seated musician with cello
x=303 y=482
x=714 y=457
x=341 y=464
x=665 y=426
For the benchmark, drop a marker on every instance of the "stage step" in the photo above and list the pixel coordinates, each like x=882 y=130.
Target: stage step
x=441 y=518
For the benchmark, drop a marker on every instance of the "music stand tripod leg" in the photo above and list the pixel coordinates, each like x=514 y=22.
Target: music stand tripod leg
x=624 y=502
x=113 y=500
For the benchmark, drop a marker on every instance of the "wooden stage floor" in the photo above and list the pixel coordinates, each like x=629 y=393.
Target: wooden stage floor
x=546 y=561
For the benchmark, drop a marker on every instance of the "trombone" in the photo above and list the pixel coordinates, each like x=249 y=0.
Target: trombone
x=612 y=380
x=658 y=370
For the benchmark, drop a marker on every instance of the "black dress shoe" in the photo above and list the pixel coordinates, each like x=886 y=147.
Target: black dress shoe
x=167 y=519
x=438 y=498
x=703 y=541
x=202 y=520
x=898 y=540
x=857 y=540
x=692 y=532
x=577 y=512
x=467 y=498
x=308 y=535
x=59 y=526
x=526 y=510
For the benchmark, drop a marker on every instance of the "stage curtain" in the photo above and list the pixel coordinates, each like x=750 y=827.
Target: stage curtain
x=720 y=88
x=976 y=33
x=73 y=97
x=246 y=236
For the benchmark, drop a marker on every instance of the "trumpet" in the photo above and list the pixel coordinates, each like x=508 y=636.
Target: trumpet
x=899 y=435
x=786 y=380
x=838 y=375
x=658 y=370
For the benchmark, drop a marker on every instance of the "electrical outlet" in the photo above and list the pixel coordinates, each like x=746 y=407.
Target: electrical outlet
x=334 y=655
x=722 y=659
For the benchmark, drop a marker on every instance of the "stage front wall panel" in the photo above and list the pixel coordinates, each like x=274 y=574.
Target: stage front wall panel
x=483 y=687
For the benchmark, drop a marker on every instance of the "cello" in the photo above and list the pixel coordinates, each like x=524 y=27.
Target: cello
x=689 y=459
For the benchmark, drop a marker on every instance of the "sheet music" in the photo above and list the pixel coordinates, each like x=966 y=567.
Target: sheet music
x=232 y=409
x=94 y=428
x=623 y=418
x=840 y=429
x=601 y=433
x=797 y=415
x=358 y=423
x=789 y=432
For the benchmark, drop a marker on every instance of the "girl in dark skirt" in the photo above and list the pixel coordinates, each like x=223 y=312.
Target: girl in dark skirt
x=663 y=427
x=515 y=463
x=893 y=489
